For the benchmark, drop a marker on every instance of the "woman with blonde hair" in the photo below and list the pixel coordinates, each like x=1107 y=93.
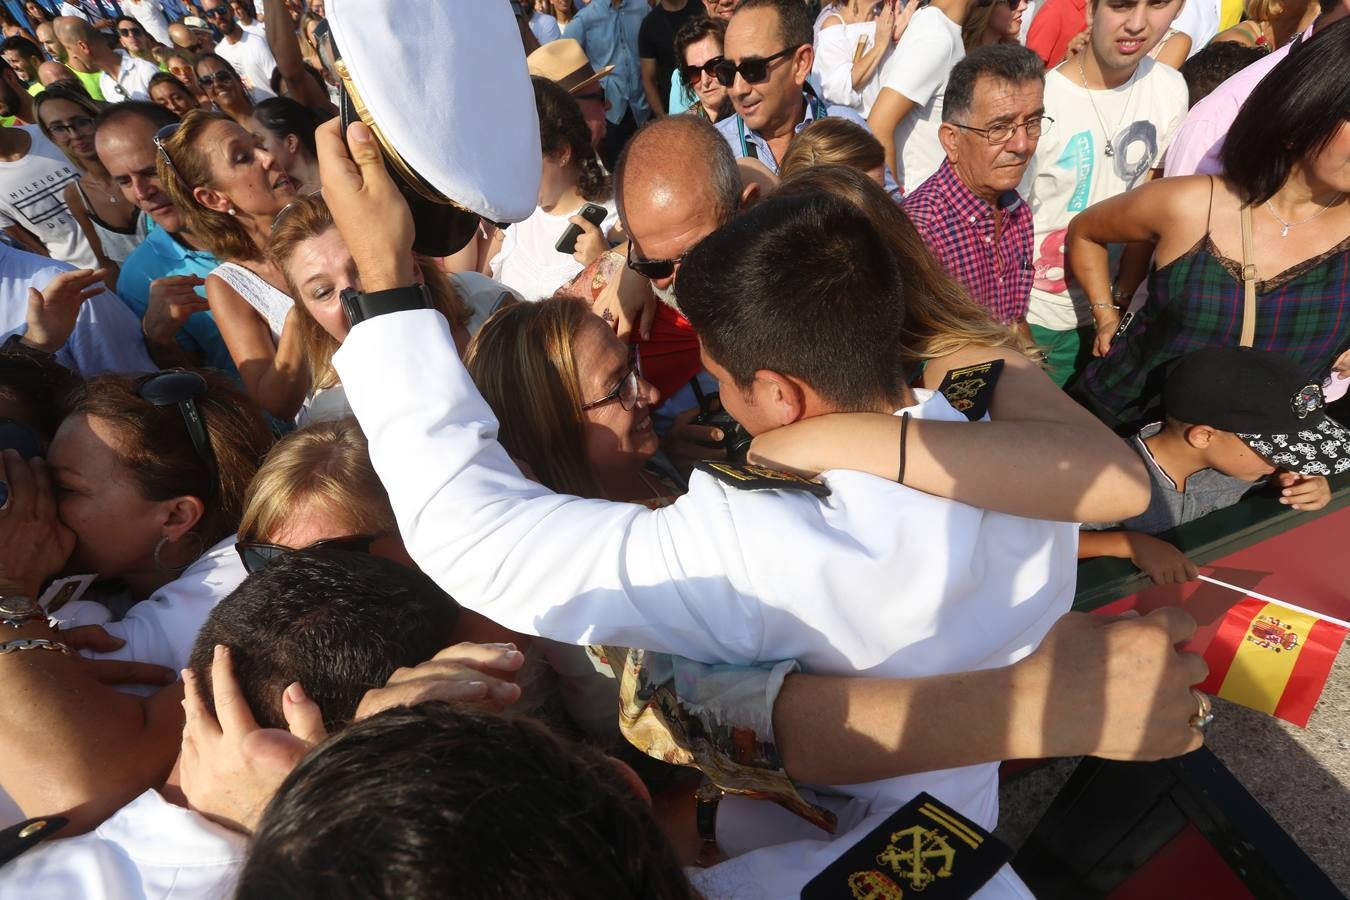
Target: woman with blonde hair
x=1271 y=23
x=230 y=189
x=834 y=141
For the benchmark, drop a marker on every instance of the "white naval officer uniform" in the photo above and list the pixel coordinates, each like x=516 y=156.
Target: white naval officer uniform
x=875 y=579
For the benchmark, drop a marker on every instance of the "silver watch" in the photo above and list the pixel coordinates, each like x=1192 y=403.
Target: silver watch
x=17 y=610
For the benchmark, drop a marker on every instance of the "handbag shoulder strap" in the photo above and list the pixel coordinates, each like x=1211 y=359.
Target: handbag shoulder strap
x=1248 y=280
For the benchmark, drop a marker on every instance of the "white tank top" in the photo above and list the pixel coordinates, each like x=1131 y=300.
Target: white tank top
x=270 y=303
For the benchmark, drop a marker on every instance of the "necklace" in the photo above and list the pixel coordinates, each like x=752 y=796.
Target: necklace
x=1284 y=232
x=1109 y=150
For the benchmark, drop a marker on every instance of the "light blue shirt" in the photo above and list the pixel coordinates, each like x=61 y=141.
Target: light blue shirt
x=679 y=98
x=160 y=256
x=610 y=38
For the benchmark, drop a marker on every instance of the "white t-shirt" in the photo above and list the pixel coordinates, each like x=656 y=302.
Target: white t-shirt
x=32 y=194
x=150 y=13
x=107 y=335
x=836 y=48
x=70 y=9
x=132 y=81
x=1071 y=170
x=1198 y=19
x=528 y=263
x=148 y=848
x=251 y=58
x=917 y=69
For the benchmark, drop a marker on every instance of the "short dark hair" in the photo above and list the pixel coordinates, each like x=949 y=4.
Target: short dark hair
x=805 y=286
x=336 y=621
x=283 y=116
x=435 y=801
x=40 y=385
x=1293 y=113
x=1011 y=63
x=796 y=25
x=152 y=113
x=120 y=19
x=1213 y=66
x=22 y=44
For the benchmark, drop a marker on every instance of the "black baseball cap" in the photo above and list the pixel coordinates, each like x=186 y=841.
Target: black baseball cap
x=1264 y=398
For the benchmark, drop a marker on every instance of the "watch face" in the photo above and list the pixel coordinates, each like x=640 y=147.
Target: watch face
x=17 y=607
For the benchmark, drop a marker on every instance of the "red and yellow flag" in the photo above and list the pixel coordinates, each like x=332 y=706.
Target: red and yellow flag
x=1272 y=658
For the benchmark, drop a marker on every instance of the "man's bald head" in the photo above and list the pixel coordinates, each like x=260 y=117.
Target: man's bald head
x=181 y=35
x=70 y=31
x=678 y=159
x=50 y=73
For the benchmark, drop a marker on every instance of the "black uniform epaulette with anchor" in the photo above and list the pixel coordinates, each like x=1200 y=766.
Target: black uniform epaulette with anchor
x=18 y=838
x=971 y=390
x=745 y=477
x=925 y=846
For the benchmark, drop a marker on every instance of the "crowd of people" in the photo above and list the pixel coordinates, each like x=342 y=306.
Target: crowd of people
x=628 y=447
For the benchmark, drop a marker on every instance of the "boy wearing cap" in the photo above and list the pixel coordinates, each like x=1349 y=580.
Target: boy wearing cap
x=1234 y=417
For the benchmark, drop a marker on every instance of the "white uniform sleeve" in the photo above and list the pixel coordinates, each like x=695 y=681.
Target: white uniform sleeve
x=918 y=67
x=834 y=67
x=573 y=570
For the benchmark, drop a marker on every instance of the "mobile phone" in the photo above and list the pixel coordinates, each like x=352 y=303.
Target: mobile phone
x=591 y=212
x=1124 y=325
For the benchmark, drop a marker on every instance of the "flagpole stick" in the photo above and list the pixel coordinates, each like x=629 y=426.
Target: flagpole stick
x=1307 y=612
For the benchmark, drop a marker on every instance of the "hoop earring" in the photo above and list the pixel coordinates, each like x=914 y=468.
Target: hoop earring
x=159 y=548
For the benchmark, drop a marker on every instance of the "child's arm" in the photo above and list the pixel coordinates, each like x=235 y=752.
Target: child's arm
x=1304 y=493
x=1156 y=558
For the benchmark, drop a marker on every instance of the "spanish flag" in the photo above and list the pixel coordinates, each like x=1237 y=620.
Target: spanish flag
x=1272 y=658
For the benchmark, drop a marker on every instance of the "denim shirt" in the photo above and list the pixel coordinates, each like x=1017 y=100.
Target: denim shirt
x=610 y=38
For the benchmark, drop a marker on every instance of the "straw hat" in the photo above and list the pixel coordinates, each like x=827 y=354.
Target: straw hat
x=564 y=63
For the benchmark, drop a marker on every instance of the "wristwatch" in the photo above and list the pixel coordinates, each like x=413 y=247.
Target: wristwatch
x=17 y=610
x=707 y=798
x=359 y=305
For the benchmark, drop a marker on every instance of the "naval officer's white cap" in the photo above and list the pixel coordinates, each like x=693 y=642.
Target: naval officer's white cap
x=445 y=86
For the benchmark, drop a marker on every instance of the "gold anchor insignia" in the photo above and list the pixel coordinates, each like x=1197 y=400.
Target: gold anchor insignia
x=964 y=389
x=909 y=862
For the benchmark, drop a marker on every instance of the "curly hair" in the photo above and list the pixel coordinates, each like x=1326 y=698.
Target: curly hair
x=562 y=127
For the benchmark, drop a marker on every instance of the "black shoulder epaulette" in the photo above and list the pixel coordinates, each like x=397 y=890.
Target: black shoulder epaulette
x=745 y=477
x=971 y=390
x=925 y=846
x=18 y=838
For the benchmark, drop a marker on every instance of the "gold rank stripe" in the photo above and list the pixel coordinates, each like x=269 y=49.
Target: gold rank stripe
x=962 y=831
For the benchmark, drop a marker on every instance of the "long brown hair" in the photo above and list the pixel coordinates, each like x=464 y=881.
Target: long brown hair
x=309 y=217
x=188 y=167
x=159 y=454
x=81 y=99
x=524 y=363
x=940 y=315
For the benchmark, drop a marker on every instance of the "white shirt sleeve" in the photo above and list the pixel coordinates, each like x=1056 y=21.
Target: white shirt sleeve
x=573 y=570
x=834 y=66
x=919 y=64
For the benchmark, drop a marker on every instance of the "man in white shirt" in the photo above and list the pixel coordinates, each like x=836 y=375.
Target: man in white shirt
x=122 y=76
x=248 y=53
x=249 y=17
x=1115 y=112
x=908 y=110
x=150 y=13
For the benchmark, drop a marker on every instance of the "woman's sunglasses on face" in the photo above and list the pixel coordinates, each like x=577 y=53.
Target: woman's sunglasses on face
x=224 y=76
x=691 y=74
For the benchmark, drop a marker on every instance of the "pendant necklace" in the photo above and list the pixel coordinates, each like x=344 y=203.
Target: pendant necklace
x=1109 y=150
x=1284 y=232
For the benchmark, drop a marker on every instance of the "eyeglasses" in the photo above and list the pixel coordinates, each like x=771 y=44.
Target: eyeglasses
x=131 y=32
x=626 y=391
x=255 y=555
x=653 y=268
x=181 y=388
x=753 y=70
x=691 y=74
x=76 y=125
x=219 y=12
x=160 y=137
x=182 y=73
x=117 y=86
x=1001 y=134
x=224 y=76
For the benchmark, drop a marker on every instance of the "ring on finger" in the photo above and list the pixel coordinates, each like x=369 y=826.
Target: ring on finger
x=1205 y=712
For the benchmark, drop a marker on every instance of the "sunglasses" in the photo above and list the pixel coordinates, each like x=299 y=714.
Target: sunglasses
x=224 y=76
x=160 y=137
x=626 y=391
x=653 y=268
x=219 y=12
x=131 y=32
x=691 y=74
x=77 y=125
x=181 y=388
x=255 y=555
x=753 y=70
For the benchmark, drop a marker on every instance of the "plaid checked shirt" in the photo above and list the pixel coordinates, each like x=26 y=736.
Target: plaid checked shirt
x=959 y=228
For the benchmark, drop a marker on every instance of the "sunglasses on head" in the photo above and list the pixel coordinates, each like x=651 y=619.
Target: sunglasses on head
x=160 y=137
x=753 y=70
x=652 y=268
x=224 y=76
x=255 y=555
x=181 y=388
x=691 y=74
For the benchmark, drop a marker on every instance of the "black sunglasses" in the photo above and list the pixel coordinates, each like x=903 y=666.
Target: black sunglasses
x=255 y=555
x=181 y=388
x=219 y=12
x=224 y=76
x=691 y=74
x=130 y=32
x=653 y=268
x=753 y=70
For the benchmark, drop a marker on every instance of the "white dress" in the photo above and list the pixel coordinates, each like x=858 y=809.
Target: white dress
x=836 y=49
x=270 y=303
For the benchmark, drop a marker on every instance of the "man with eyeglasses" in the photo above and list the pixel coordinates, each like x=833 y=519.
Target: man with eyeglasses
x=969 y=212
x=248 y=53
x=150 y=15
x=135 y=40
x=121 y=76
x=767 y=56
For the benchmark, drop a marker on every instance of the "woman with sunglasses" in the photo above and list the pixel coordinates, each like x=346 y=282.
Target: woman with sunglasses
x=855 y=38
x=307 y=247
x=526 y=256
x=113 y=226
x=230 y=189
x=182 y=65
x=698 y=46
x=998 y=23
x=224 y=87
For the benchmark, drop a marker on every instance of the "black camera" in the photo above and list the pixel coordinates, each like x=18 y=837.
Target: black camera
x=735 y=439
